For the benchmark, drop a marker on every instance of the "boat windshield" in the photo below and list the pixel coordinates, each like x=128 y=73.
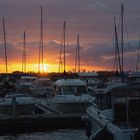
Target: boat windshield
x=74 y=90
x=68 y=89
x=43 y=83
x=81 y=89
x=27 y=80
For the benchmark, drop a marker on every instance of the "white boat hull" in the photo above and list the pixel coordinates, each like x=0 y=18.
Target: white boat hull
x=111 y=131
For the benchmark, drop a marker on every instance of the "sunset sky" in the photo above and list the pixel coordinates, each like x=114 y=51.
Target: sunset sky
x=91 y=19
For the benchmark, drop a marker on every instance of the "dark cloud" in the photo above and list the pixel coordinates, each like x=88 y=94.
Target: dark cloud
x=92 y=19
x=101 y=55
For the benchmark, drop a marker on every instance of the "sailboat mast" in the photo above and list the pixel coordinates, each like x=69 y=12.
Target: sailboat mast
x=61 y=51
x=42 y=36
x=78 y=53
x=39 y=59
x=76 y=57
x=138 y=56
x=41 y=42
x=122 y=49
x=64 y=29
x=24 y=54
x=60 y=61
x=118 y=61
x=5 y=48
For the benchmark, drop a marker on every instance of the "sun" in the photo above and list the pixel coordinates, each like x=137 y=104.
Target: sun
x=44 y=68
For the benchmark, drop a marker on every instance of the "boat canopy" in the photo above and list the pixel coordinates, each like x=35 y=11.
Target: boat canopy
x=88 y=74
x=70 y=82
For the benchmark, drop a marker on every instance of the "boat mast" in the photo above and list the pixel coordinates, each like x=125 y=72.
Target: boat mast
x=138 y=57
x=61 y=51
x=60 y=60
x=24 y=53
x=64 y=30
x=78 y=51
x=77 y=56
x=5 y=48
x=117 y=51
x=41 y=43
x=122 y=49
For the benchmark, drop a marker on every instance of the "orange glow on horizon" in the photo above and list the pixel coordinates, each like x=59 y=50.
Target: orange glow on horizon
x=47 y=68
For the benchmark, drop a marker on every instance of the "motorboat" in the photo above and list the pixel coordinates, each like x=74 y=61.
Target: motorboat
x=41 y=87
x=15 y=104
x=25 y=83
x=134 y=76
x=91 y=78
x=70 y=95
x=115 y=114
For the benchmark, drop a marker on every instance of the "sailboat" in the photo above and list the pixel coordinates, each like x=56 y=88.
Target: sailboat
x=70 y=95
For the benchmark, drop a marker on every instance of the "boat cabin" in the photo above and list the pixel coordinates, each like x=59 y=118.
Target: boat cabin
x=134 y=77
x=41 y=87
x=124 y=101
x=126 y=105
x=27 y=80
x=91 y=78
x=75 y=87
x=42 y=82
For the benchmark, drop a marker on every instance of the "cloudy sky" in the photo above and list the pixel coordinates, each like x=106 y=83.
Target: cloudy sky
x=91 y=19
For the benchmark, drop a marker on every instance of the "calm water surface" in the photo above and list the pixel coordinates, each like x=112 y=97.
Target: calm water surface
x=65 y=134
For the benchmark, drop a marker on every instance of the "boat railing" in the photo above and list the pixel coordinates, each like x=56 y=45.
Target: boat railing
x=92 y=103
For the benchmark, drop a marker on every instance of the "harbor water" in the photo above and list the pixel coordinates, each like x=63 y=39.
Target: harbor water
x=63 y=134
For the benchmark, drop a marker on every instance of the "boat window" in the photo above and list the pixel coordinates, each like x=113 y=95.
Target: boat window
x=119 y=106
x=68 y=90
x=81 y=89
x=28 y=80
x=126 y=105
x=58 y=91
x=16 y=95
x=32 y=80
x=134 y=112
x=103 y=101
x=43 y=83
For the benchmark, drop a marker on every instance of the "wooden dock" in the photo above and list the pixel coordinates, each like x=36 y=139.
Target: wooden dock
x=45 y=122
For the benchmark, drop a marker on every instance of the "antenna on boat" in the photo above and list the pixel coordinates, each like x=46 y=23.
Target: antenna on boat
x=5 y=48
x=138 y=56
x=41 y=43
x=24 y=54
